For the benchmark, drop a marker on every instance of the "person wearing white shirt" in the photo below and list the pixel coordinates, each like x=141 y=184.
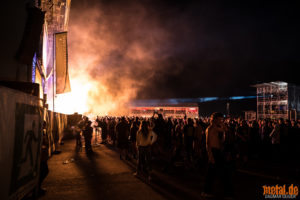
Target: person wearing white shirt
x=144 y=139
x=216 y=161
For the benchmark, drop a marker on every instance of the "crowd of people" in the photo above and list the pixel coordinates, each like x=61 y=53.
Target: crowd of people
x=215 y=141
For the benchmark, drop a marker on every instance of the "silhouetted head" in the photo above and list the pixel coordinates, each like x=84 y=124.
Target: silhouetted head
x=216 y=118
x=160 y=116
x=89 y=123
x=144 y=128
x=190 y=121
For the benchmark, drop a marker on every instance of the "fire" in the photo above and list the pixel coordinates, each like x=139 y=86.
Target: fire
x=74 y=101
x=94 y=94
x=89 y=96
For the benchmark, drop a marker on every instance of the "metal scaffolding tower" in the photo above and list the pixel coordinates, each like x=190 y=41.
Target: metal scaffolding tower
x=277 y=100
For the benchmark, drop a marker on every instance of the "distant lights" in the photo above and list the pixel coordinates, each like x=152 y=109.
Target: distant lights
x=205 y=99
x=280 y=83
x=155 y=102
x=242 y=97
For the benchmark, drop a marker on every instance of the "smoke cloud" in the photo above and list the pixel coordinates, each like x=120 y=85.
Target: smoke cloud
x=137 y=49
x=115 y=52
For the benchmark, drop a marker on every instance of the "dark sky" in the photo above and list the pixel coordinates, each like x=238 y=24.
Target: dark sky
x=216 y=48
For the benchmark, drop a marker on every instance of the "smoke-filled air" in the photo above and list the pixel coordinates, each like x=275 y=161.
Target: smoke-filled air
x=114 y=52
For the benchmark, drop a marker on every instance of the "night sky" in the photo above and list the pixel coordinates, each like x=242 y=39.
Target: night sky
x=222 y=48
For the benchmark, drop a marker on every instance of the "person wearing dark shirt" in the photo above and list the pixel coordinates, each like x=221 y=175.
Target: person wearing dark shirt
x=133 y=131
x=88 y=133
x=122 y=131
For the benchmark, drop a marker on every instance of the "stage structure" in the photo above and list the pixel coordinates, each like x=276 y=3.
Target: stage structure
x=277 y=100
x=55 y=24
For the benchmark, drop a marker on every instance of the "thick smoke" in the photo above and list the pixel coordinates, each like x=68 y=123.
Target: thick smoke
x=115 y=51
x=123 y=50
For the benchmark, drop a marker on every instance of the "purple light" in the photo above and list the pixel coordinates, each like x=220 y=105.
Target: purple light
x=33 y=68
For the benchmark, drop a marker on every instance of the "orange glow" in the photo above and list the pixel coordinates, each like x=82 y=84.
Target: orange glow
x=74 y=101
x=92 y=82
x=110 y=62
x=91 y=96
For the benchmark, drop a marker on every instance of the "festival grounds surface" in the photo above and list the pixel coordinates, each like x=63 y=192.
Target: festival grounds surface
x=74 y=175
